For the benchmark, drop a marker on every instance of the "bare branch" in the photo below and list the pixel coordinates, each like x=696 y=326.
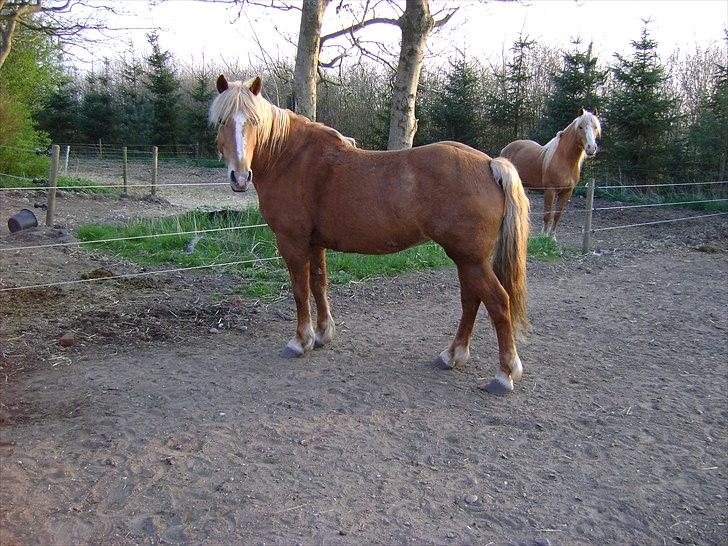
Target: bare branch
x=358 y=26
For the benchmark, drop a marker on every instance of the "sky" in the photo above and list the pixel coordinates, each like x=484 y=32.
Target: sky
x=191 y=30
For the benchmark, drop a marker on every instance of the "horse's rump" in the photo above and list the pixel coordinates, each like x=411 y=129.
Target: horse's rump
x=528 y=158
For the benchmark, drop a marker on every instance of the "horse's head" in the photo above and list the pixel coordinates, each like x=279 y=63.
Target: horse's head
x=589 y=130
x=235 y=110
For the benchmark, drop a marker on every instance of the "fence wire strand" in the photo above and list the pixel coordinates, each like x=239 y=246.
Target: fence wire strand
x=97 y=186
x=660 y=204
x=140 y=274
x=609 y=228
x=132 y=238
x=661 y=185
x=18 y=178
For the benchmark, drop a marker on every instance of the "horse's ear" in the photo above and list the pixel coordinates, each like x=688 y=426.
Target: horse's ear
x=222 y=83
x=256 y=86
x=581 y=111
x=596 y=112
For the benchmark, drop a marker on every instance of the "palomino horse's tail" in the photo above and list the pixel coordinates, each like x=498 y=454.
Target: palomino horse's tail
x=509 y=257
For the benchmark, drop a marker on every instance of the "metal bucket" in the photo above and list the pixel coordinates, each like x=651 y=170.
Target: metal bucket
x=24 y=219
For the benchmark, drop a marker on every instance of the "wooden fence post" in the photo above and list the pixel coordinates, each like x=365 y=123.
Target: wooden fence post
x=52 y=181
x=155 y=169
x=66 y=155
x=125 y=172
x=587 y=229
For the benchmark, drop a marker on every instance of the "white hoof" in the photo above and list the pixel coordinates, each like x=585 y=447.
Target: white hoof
x=504 y=380
x=445 y=360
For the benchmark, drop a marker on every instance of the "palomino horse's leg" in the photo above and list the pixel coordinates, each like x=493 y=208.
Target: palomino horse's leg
x=496 y=301
x=297 y=260
x=459 y=350
x=548 y=201
x=325 y=328
x=563 y=198
x=479 y=283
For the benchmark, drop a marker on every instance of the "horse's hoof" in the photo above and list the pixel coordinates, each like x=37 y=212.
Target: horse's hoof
x=444 y=362
x=292 y=350
x=317 y=344
x=496 y=387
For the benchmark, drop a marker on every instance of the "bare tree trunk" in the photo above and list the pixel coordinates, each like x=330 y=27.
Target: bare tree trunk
x=307 y=57
x=416 y=23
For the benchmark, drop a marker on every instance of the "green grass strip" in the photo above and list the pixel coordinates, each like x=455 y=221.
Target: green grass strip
x=267 y=279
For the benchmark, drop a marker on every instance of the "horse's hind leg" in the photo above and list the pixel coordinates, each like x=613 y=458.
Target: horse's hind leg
x=297 y=259
x=459 y=350
x=479 y=283
x=325 y=328
x=548 y=201
x=563 y=198
x=496 y=301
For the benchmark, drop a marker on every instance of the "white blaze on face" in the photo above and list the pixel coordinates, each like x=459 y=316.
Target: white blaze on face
x=239 y=120
x=590 y=145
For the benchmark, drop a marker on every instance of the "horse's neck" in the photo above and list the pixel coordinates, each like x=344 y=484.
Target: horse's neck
x=265 y=159
x=569 y=149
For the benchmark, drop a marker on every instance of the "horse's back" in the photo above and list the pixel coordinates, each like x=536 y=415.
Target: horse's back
x=527 y=157
x=380 y=202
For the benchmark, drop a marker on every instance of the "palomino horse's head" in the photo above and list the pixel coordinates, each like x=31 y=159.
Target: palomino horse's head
x=235 y=111
x=589 y=130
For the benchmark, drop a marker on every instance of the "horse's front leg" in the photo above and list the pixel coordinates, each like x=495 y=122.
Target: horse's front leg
x=325 y=328
x=548 y=201
x=562 y=199
x=297 y=260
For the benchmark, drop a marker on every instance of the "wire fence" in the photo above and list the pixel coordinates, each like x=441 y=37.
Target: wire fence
x=111 y=154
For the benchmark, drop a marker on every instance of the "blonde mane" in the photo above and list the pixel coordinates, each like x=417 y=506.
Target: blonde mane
x=272 y=123
x=551 y=146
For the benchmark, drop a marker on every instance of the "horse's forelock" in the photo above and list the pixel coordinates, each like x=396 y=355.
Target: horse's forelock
x=593 y=119
x=235 y=99
x=271 y=121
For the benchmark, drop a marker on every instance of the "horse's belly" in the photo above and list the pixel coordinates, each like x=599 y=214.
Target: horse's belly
x=368 y=240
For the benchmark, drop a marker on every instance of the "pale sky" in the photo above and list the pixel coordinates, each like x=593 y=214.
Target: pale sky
x=191 y=29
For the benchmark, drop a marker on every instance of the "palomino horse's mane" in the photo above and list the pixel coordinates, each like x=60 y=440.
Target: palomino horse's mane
x=272 y=123
x=551 y=146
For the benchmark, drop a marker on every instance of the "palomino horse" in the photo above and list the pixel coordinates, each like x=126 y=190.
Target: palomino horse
x=555 y=167
x=317 y=191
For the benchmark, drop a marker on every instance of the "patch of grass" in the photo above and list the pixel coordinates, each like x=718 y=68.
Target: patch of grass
x=266 y=279
x=544 y=248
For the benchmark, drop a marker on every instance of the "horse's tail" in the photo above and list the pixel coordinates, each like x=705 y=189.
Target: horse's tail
x=509 y=257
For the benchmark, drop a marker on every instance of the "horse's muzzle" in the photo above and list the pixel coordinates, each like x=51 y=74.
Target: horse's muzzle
x=591 y=151
x=238 y=183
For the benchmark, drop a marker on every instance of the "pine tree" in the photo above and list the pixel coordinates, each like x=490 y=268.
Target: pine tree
x=197 y=129
x=133 y=102
x=510 y=109
x=641 y=113
x=576 y=85
x=457 y=114
x=708 y=137
x=98 y=116
x=61 y=116
x=163 y=87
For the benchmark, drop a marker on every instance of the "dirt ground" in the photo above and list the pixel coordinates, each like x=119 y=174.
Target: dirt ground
x=172 y=419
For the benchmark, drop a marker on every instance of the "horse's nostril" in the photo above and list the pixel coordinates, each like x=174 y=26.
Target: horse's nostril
x=250 y=175
x=233 y=178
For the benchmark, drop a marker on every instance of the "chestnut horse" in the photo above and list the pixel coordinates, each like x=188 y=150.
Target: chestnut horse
x=317 y=191
x=556 y=167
